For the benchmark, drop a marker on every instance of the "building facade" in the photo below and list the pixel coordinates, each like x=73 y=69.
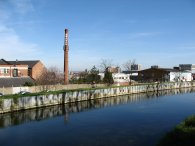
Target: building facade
x=187 y=67
x=163 y=75
x=119 y=78
x=113 y=69
x=135 y=67
x=12 y=70
x=33 y=69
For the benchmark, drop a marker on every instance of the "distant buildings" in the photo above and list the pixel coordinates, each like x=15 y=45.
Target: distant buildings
x=118 y=77
x=187 y=67
x=121 y=78
x=156 y=74
x=133 y=73
x=113 y=69
x=135 y=67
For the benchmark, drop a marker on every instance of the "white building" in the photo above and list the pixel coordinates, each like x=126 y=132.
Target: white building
x=164 y=75
x=180 y=76
x=119 y=78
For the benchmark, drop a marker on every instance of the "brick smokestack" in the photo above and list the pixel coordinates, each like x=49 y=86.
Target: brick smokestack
x=66 y=48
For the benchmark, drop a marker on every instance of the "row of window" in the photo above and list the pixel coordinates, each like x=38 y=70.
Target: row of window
x=4 y=71
x=120 y=77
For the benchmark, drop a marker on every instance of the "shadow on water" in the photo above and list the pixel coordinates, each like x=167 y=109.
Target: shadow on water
x=22 y=117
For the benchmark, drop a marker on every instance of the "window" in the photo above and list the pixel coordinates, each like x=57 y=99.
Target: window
x=1 y=71
x=15 y=72
x=5 y=71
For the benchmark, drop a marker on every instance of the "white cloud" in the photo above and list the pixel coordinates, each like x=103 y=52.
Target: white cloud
x=12 y=45
x=144 y=34
x=22 y=6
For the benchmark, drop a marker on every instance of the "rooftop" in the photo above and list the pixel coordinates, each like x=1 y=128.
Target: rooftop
x=14 y=81
x=30 y=63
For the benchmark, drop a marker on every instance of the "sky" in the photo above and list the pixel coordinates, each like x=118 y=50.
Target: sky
x=153 y=32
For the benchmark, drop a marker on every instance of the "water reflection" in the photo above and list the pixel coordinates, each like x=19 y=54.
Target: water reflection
x=21 y=117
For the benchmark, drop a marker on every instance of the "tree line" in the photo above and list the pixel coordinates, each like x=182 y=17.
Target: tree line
x=53 y=75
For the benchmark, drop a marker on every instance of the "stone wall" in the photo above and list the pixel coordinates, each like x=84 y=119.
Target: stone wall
x=22 y=103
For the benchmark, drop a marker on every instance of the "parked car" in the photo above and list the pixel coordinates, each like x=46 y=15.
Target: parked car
x=1 y=94
x=23 y=92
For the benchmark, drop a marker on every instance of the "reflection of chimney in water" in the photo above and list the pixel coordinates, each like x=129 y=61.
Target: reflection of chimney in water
x=66 y=48
x=66 y=117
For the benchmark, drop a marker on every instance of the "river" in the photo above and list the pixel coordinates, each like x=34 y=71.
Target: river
x=130 y=120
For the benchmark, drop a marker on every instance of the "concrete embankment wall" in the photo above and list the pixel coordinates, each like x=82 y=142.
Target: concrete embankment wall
x=38 y=114
x=22 y=103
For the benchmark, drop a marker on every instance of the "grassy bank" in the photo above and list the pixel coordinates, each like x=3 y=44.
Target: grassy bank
x=182 y=135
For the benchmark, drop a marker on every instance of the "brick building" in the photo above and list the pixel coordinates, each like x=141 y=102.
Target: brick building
x=33 y=68
x=113 y=69
x=8 y=69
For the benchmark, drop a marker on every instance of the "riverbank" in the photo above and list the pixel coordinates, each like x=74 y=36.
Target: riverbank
x=182 y=135
x=17 y=102
x=39 y=114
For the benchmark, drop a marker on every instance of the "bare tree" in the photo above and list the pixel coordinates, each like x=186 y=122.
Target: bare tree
x=50 y=76
x=105 y=63
x=127 y=65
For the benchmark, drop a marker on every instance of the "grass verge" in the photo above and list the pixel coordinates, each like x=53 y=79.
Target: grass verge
x=182 y=135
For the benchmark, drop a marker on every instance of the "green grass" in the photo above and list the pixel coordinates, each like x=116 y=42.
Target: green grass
x=182 y=135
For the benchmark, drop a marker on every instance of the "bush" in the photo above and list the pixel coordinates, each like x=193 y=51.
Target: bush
x=182 y=135
x=28 y=84
x=108 y=79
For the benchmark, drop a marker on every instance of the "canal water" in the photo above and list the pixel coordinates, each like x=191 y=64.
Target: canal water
x=131 y=120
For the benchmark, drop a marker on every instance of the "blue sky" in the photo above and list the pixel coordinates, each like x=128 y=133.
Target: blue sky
x=154 y=32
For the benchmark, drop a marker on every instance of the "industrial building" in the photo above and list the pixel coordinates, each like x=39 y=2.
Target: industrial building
x=19 y=68
x=187 y=67
x=156 y=74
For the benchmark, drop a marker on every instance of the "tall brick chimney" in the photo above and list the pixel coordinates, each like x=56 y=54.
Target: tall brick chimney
x=66 y=48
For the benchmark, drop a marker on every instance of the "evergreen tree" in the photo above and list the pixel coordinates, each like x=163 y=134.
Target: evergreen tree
x=108 y=79
x=93 y=76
